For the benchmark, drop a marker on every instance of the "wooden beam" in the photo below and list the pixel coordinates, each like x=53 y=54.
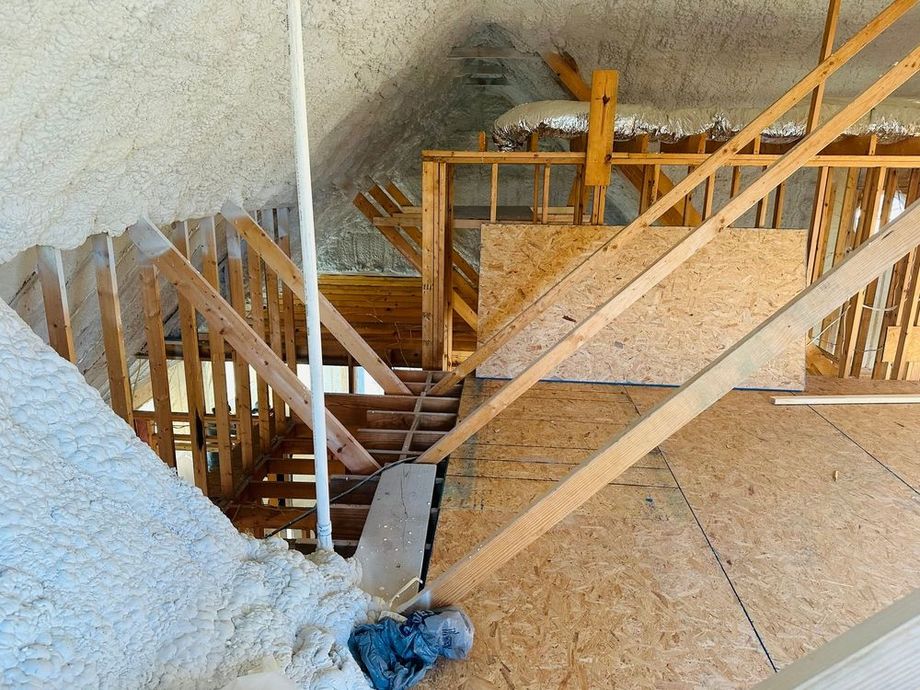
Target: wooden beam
x=113 y=336
x=880 y=652
x=50 y=269
x=847 y=400
x=257 y=317
x=708 y=167
x=667 y=263
x=240 y=367
x=223 y=319
x=601 y=116
x=218 y=361
x=291 y=276
x=566 y=71
x=156 y=360
x=738 y=363
x=191 y=365
x=437 y=288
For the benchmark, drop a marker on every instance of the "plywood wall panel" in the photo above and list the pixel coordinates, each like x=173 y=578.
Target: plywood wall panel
x=714 y=299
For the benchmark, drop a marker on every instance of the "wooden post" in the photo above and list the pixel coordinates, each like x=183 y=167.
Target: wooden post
x=223 y=319
x=191 y=363
x=699 y=393
x=273 y=310
x=670 y=260
x=54 y=294
x=113 y=337
x=218 y=362
x=156 y=360
x=257 y=308
x=436 y=269
x=708 y=167
x=240 y=367
x=601 y=118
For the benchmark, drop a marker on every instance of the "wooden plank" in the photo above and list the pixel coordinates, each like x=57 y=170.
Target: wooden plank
x=273 y=313
x=225 y=320
x=435 y=269
x=601 y=116
x=666 y=264
x=707 y=167
x=880 y=652
x=274 y=256
x=156 y=359
x=674 y=412
x=391 y=550
x=113 y=335
x=287 y=294
x=50 y=270
x=218 y=361
x=257 y=308
x=891 y=399
x=566 y=70
x=191 y=364
x=241 y=371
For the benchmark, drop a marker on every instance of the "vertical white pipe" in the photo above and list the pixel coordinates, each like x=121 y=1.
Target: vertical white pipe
x=311 y=296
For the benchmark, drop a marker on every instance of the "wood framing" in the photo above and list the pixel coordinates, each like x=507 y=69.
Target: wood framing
x=291 y=276
x=670 y=260
x=225 y=320
x=601 y=116
x=707 y=167
x=50 y=270
x=437 y=284
x=156 y=360
x=218 y=361
x=191 y=365
x=240 y=366
x=113 y=336
x=675 y=411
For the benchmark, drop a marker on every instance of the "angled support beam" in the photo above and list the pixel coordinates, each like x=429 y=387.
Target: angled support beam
x=50 y=269
x=592 y=324
x=708 y=167
x=113 y=336
x=224 y=320
x=290 y=275
x=738 y=363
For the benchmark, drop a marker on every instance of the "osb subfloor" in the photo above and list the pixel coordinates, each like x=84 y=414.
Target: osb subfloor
x=749 y=538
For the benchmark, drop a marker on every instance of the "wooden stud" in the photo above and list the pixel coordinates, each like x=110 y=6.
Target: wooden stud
x=273 y=313
x=218 y=361
x=257 y=301
x=493 y=194
x=50 y=270
x=240 y=367
x=889 y=399
x=601 y=116
x=778 y=172
x=699 y=393
x=223 y=319
x=156 y=359
x=191 y=363
x=669 y=261
x=113 y=336
x=287 y=294
x=544 y=212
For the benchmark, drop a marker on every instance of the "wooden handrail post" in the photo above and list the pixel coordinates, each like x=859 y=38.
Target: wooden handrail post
x=437 y=193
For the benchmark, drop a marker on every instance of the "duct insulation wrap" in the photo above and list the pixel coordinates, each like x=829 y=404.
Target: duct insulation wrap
x=892 y=121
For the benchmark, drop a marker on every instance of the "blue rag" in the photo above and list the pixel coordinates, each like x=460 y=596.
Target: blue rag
x=396 y=656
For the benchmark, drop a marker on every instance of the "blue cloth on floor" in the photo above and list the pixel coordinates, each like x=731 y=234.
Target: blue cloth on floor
x=396 y=656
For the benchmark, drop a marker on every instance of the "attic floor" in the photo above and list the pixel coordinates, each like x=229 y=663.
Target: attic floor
x=752 y=536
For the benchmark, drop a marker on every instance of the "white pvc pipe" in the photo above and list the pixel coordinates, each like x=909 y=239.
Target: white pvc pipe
x=311 y=286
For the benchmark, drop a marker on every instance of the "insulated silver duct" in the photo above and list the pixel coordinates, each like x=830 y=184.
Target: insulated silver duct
x=892 y=122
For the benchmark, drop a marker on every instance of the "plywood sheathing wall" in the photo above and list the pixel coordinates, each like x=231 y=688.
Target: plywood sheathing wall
x=706 y=305
x=730 y=550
